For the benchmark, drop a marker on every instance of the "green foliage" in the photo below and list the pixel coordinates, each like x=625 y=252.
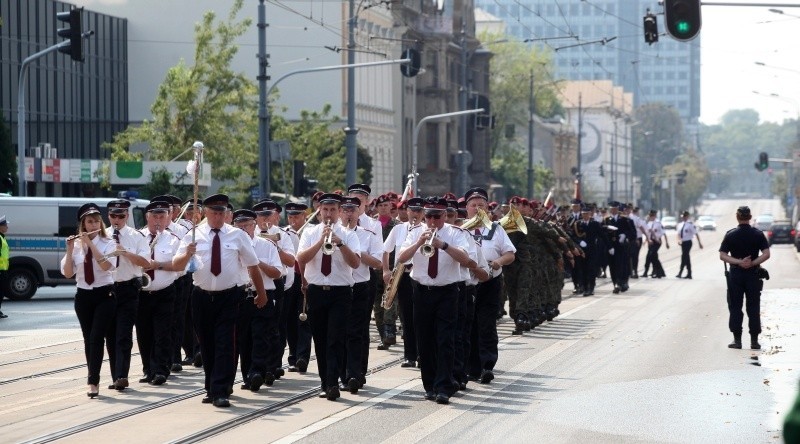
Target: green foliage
x=697 y=177
x=511 y=66
x=657 y=141
x=208 y=102
x=7 y=154
x=163 y=182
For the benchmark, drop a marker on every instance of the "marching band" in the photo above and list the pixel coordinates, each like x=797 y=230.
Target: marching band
x=248 y=287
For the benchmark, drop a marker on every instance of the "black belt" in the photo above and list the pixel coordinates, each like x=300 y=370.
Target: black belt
x=132 y=282
x=151 y=292
x=438 y=287
x=212 y=293
x=328 y=287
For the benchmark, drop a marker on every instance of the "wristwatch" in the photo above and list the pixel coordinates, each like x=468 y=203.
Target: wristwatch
x=445 y=246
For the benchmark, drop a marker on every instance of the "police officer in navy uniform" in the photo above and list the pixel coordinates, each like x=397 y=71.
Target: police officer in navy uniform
x=436 y=296
x=132 y=251
x=156 y=301
x=220 y=251
x=329 y=291
x=740 y=248
x=588 y=234
x=298 y=333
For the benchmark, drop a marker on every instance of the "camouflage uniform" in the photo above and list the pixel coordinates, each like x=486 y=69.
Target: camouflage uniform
x=385 y=320
x=517 y=277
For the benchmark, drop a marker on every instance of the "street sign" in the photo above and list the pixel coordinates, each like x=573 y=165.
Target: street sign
x=255 y=194
x=279 y=150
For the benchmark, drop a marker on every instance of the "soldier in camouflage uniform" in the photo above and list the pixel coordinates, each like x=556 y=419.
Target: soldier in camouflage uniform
x=385 y=320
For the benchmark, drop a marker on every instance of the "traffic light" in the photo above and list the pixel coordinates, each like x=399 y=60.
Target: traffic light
x=602 y=172
x=763 y=161
x=308 y=187
x=410 y=69
x=682 y=18
x=298 y=173
x=73 y=32
x=650 y=28
x=681 y=177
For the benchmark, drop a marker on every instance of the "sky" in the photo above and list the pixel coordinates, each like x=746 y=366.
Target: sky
x=733 y=40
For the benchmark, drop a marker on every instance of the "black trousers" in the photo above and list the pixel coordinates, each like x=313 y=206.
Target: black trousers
x=356 y=354
x=180 y=322
x=652 y=259
x=483 y=352
x=686 y=261
x=153 y=332
x=327 y=312
x=370 y=302
x=214 y=317
x=278 y=343
x=744 y=283
x=3 y=277
x=405 y=297
x=589 y=268
x=256 y=330
x=462 y=341
x=119 y=339
x=635 y=249
x=95 y=311
x=435 y=316
x=298 y=333
x=620 y=264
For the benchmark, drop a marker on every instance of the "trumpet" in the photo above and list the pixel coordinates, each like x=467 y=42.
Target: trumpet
x=77 y=236
x=273 y=237
x=427 y=249
x=328 y=247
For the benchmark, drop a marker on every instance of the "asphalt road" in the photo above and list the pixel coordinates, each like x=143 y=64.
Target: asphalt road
x=649 y=365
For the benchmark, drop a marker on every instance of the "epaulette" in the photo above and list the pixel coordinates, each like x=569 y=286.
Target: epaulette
x=415 y=227
x=457 y=227
x=143 y=235
x=367 y=230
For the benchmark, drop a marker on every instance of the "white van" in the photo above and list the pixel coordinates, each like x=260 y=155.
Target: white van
x=37 y=232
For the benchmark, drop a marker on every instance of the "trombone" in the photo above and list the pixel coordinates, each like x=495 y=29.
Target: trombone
x=427 y=249
x=327 y=247
x=308 y=220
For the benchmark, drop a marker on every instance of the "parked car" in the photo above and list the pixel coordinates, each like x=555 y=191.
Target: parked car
x=669 y=222
x=706 y=223
x=764 y=221
x=780 y=232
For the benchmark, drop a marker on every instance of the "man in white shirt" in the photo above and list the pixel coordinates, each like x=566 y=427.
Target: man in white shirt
x=131 y=249
x=636 y=244
x=329 y=253
x=298 y=333
x=686 y=232
x=655 y=232
x=437 y=252
x=156 y=301
x=257 y=327
x=221 y=251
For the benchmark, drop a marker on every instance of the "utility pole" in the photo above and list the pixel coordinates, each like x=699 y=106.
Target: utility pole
x=578 y=176
x=351 y=130
x=263 y=113
x=461 y=183
x=532 y=112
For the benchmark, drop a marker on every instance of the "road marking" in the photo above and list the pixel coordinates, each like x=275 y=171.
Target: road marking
x=416 y=432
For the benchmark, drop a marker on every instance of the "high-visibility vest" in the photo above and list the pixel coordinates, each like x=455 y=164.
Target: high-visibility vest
x=3 y=254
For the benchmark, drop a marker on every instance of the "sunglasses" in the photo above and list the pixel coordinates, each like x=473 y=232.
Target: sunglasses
x=117 y=216
x=433 y=216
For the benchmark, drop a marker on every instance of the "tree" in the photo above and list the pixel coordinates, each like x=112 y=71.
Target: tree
x=511 y=63
x=206 y=101
x=657 y=141
x=697 y=177
x=8 y=166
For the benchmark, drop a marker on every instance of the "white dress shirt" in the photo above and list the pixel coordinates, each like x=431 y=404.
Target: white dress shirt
x=481 y=261
x=686 y=231
x=236 y=252
x=394 y=241
x=101 y=278
x=656 y=230
x=495 y=247
x=371 y=224
x=341 y=273
x=640 y=224
x=164 y=250
x=134 y=242
x=370 y=245
x=290 y=234
x=267 y=253
x=449 y=271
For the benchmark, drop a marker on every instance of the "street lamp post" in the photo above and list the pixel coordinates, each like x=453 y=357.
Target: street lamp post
x=415 y=136
x=532 y=113
x=580 y=138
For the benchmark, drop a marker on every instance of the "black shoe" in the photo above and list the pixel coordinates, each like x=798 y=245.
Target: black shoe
x=616 y=290
x=644 y=275
x=2 y=315
x=527 y=325
x=518 y=330
x=430 y=396
x=688 y=277
x=120 y=384
x=678 y=275
x=207 y=400
x=92 y=394
x=587 y=293
x=187 y=361
x=332 y=394
x=624 y=288
x=158 y=380
x=441 y=398
x=278 y=373
x=269 y=378
x=462 y=386
x=353 y=385
x=292 y=368
x=486 y=376
x=245 y=386
x=176 y=368
x=146 y=379
x=256 y=381
x=322 y=394
x=408 y=364
x=222 y=402
x=389 y=335
x=737 y=341
x=112 y=386
x=382 y=346
x=302 y=365
x=754 y=345
x=198 y=360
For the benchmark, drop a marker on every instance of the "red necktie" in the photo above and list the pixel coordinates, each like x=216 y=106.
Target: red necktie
x=88 y=267
x=152 y=273
x=116 y=238
x=326 y=264
x=216 y=254
x=433 y=264
x=478 y=237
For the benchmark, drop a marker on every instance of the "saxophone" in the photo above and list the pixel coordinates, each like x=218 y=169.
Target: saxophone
x=389 y=293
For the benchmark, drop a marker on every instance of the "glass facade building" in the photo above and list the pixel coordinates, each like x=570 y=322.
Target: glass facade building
x=73 y=106
x=609 y=46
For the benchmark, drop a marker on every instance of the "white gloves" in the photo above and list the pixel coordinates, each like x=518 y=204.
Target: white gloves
x=582 y=244
x=621 y=238
x=611 y=251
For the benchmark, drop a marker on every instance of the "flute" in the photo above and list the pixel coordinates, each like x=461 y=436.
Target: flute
x=76 y=236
